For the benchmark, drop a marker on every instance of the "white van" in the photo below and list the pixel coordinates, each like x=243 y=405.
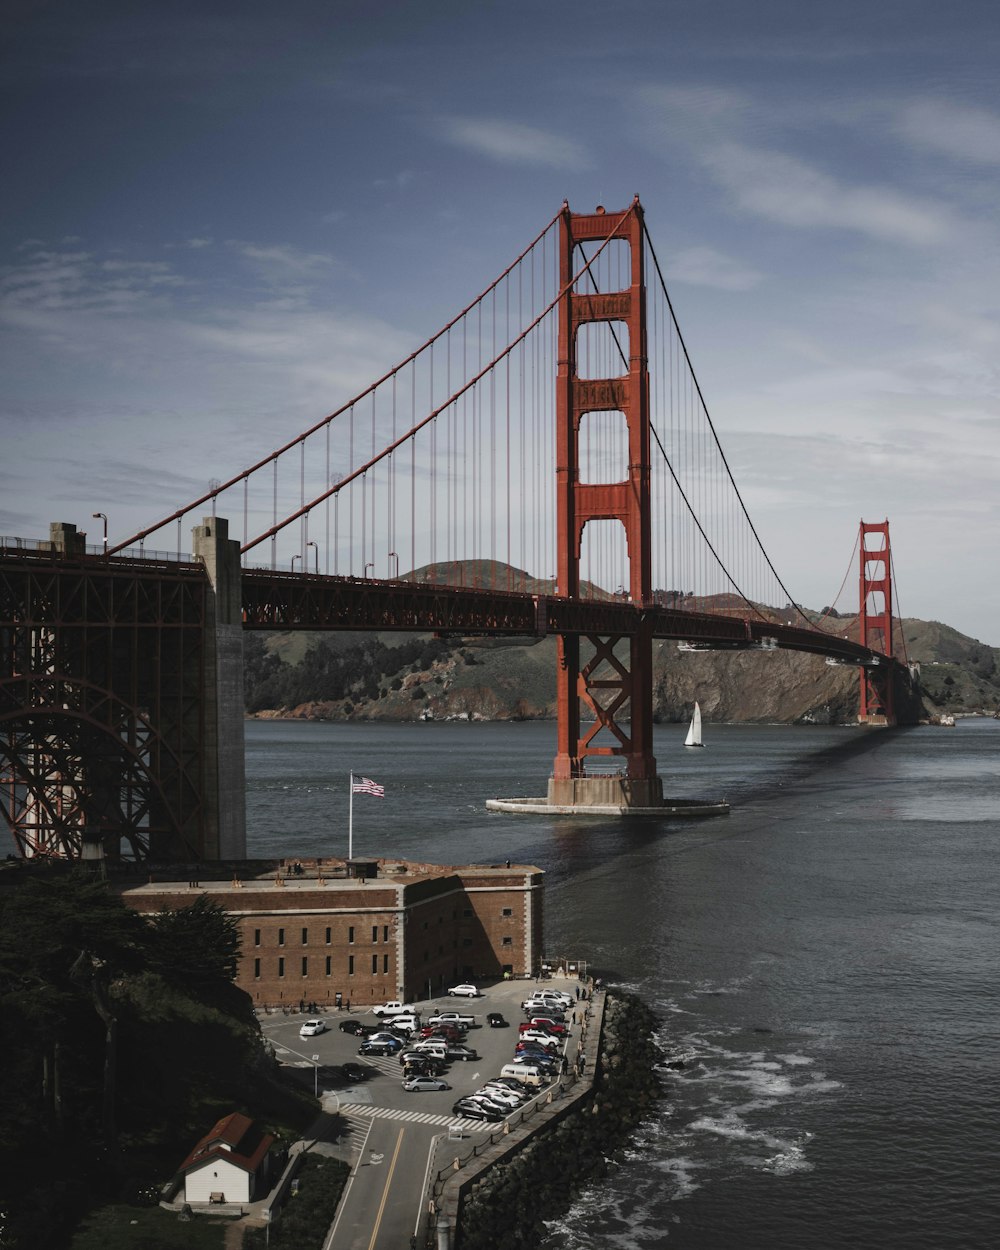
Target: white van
x=404 y=1024
x=526 y=1072
x=432 y=1046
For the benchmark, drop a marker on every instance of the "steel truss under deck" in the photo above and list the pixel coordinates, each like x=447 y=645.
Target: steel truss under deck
x=101 y=679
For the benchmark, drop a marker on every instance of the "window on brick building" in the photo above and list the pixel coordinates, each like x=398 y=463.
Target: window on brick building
x=329 y=934
x=305 y=937
x=281 y=937
x=329 y=961
x=385 y=963
x=374 y=963
x=281 y=967
x=507 y=911
x=350 y=934
x=508 y=941
x=350 y=965
x=385 y=933
x=305 y=965
x=256 y=937
x=256 y=969
x=374 y=932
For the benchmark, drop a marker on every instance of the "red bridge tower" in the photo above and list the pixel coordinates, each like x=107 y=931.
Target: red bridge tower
x=875 y=625
x=615 y=684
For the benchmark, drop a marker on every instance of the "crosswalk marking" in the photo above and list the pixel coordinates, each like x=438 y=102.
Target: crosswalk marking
x=424 y=1117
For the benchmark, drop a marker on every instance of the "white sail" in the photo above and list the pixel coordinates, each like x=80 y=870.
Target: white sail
x=694 y=732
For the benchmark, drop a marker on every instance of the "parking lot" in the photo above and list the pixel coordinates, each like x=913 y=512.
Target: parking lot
x=321 y=1057
x=393 y=1138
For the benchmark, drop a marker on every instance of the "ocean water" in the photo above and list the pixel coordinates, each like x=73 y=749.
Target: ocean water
x=825 y=960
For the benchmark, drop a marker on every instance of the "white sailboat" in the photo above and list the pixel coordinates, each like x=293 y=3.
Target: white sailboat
x=694 y=731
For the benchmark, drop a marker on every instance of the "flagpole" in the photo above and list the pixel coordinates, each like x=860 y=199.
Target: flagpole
x=350 y=818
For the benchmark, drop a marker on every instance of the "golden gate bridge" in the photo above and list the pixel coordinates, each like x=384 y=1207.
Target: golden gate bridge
x=544 y=464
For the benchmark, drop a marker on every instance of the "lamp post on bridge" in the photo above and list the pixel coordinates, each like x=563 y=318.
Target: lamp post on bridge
x=295 y=557
x=394 y=576
x=315 y=547
x=369 y=565
x=100 y=516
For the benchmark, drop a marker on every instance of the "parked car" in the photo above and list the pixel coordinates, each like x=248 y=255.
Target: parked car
x=357 y=1028
x=355 y=1072
x=503 y=1097
x=380 y=1048
x=519 y=1087
x=384 y=1035
x=422 y=1084
x=484 y=1100
x=502 y=1085
x=496 y=1021
x=554 y=1024
x=452 y=1017
x=448 y=1032
x=461 y=1052
x=536 y=1054
x=310 y=1028
x=435 y=1066
x=423 y=1067
x=541 y=1037
x=470 y=1110
x=536 y=1058
x=465 y=990
x=394 y=1008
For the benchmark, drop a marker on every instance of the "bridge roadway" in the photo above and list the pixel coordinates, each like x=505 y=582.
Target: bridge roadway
x=45 y=588
x=288 y=601
x=396 y=1141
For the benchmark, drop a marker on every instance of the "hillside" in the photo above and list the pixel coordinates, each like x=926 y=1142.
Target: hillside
x=405 y=677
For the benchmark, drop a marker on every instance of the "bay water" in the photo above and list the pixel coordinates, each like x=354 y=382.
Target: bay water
x=824 y=960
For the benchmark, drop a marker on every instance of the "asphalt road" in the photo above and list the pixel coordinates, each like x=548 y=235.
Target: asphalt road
x=388 y=1134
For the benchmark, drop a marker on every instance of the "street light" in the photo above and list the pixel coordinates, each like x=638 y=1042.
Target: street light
x=368 y=566
x=100 y=516
x=393 y=556
x=315 y=546
x=295 y=557
x=315 y=1076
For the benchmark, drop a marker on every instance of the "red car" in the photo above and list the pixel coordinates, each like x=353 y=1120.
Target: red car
x=449 y=1032
x=543 y=1022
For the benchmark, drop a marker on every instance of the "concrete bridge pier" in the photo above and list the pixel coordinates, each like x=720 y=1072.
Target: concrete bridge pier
x=224 y=763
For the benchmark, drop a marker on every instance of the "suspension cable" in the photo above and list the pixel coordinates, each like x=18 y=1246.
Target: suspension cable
x=711 y=425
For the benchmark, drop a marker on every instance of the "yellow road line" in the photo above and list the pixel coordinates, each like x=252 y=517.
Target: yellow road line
x=385 y=1191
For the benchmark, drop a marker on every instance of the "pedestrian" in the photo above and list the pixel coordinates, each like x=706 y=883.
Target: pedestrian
x=577 y=989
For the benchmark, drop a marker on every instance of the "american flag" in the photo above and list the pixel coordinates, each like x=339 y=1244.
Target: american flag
x=365 y=785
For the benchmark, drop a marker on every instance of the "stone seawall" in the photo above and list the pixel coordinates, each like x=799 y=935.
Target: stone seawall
x=500 y=1191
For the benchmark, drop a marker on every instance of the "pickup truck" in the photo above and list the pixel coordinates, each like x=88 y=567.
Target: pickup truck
x=453 y=1017
x=395 y=1009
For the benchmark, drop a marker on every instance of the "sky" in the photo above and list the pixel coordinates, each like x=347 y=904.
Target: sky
x=219 y=221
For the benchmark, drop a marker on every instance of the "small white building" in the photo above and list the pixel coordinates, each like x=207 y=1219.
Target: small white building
x=230 y=1163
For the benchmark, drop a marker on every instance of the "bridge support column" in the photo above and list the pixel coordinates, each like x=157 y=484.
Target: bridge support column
x=876 y=706
x=614 y=685
x=223 y=737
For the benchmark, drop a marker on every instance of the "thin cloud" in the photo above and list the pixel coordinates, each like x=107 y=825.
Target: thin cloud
x=513 y=144
x=792 y=193
x=966 y=134
x=704 y=266
x=282 y=257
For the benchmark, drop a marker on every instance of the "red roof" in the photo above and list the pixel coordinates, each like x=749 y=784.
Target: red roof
x=234 y=1138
